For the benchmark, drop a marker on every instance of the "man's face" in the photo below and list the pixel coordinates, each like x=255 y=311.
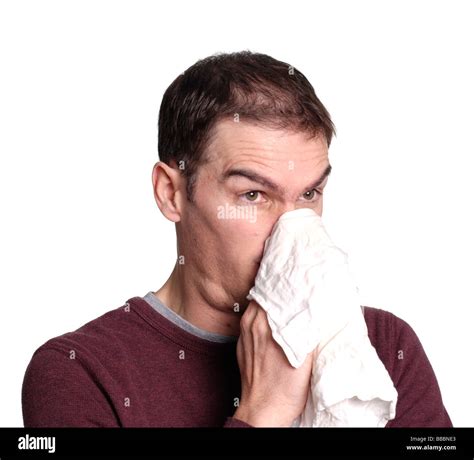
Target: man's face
x=254 y=175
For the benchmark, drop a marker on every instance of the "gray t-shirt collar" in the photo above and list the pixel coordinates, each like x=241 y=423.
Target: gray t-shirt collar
x=169 y=314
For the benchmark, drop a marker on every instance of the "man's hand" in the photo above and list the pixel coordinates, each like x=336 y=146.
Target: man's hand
x=273 y=392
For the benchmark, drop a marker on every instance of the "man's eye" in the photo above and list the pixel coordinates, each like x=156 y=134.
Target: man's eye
x=252 y=195
x=310 y=194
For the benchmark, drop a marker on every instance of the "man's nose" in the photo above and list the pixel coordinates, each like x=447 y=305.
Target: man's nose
x=291 y=207
x=286 y=208
x=281 y=210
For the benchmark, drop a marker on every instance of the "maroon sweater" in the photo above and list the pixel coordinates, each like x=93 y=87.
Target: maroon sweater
x=132 y=367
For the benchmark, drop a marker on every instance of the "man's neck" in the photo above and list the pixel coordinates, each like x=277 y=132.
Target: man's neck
x=186 y=301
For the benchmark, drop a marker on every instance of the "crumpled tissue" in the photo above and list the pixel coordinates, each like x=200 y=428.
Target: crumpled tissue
x=311 y=299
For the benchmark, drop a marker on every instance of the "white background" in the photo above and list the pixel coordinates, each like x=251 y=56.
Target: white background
x=80 y=88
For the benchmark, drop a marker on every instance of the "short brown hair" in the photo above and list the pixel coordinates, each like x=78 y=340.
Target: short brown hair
x=255 y=86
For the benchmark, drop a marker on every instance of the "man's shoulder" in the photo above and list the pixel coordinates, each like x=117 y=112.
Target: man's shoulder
x=67 y=376
x=103 y=334
x=384 y=323
x=419 y=399
x=389 y=334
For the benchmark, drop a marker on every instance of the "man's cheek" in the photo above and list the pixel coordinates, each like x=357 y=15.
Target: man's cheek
x=248 y=234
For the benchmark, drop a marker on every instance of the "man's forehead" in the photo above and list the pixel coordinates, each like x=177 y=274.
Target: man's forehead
x=236 y=142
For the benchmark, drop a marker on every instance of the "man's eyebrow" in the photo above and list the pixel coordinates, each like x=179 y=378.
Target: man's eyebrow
x=325 y=174
x=255 y=177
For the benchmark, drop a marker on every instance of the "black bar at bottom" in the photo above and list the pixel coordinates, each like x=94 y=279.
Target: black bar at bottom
x=313 y=442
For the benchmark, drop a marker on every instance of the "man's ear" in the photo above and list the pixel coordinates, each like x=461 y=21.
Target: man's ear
x=167 y=187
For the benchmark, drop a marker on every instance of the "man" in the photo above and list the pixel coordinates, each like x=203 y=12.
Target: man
x=237 y=132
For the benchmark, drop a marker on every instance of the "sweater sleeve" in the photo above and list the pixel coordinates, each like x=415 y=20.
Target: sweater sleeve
x=419 y=398
x=58 y=391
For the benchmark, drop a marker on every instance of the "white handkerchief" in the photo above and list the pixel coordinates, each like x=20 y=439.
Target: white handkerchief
x=311 y=299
